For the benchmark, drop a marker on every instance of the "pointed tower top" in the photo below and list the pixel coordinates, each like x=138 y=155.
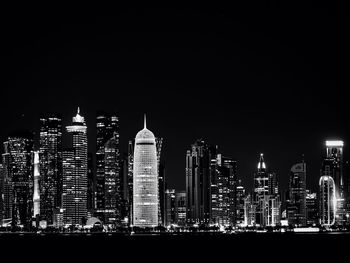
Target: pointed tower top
x=144 y=121
x=78 y=117
x=261 y=164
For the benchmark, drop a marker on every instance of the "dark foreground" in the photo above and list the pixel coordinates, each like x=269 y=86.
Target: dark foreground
x=276 y=247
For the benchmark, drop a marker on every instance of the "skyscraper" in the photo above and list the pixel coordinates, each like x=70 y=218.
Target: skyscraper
x=75 y=174
x=50 y=153
x=334 y=158
x=112 y=183
x=335 y=152
x=224 y=202
x=7 y=188
x=240 y=195
x=18 y=152
x=2 y=178
x=327 y=195
x=36 y=195
x=91 y=185
x=266 y=196
x=198 y=183
x=180 y=208
x=161 y=181
x=296 y=207
x=130 y=181
x=311 y=209
x=145 y=180
x=170 y=207
x=107 y=127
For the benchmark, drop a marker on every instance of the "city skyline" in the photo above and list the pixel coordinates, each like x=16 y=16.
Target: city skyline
x=246 y=151
x=246 y=175
x=31 y=180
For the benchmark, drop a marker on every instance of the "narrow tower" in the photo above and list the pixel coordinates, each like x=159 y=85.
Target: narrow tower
x=36 y=196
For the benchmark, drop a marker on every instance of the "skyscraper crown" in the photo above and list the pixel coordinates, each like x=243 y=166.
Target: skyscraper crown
x=261 y=164
x=78 y=118
x=145 y=133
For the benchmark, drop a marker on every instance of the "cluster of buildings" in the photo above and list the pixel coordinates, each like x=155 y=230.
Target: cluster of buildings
x=44 y=184
x=216 y=196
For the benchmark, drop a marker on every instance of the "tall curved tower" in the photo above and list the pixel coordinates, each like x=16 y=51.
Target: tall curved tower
x=145 y=180
x=36 y=196
x=328 y=201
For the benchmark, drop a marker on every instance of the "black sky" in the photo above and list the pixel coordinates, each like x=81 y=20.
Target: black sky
x=259 y=80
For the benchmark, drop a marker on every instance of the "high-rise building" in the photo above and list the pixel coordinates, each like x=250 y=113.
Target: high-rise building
x=335 y=152
x=145 y=180
x=240 y=195
x=327 y=196
x=224 y=201
x=2 y=178
x=36 y=195
x=296 y=207
x=180 y=208
x=18 y=159
x=266 y=196
x=91 y=185
x=50 y=153
x=198 y=183
x=113 y=195
x=107 y=127
x=130 y=181
x=170 y=207
x=311 y=209
x=249 y=211
x=334 y=158
x=161 y=182
x=7 y=188
x=75 y=174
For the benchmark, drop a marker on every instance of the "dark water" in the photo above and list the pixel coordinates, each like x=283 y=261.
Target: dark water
x=274 y=247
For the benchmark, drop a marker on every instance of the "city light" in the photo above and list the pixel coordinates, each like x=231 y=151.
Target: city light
x=334 y=143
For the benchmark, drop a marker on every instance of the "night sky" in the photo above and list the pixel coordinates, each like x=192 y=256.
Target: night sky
x=265 y=80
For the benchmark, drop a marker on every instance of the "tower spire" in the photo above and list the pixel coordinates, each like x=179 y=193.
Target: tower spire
x=261 y=164
x=78 y=110
x=144 y=121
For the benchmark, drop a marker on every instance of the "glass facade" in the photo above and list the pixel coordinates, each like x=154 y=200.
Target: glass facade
x=50 y=153
x=75 y=174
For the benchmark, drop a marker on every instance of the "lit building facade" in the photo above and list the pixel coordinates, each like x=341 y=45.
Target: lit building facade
x=327 y=200
x=7 y=187
x=224 y=200
x=130 y=181
x=145 y=180
x=334 y=158
x=180 y=208
x=161 y=182
x=75 y=174
x=18 y=158
x=113 y=196
x=107 y=127
x=266 y=197
x=198 y=183
x=91 y=185
x=296 y=206
x=240 y=195
x=311 y=209
x=36 y=195
x=170 y=207
x=50 y=154
x=2 y=178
